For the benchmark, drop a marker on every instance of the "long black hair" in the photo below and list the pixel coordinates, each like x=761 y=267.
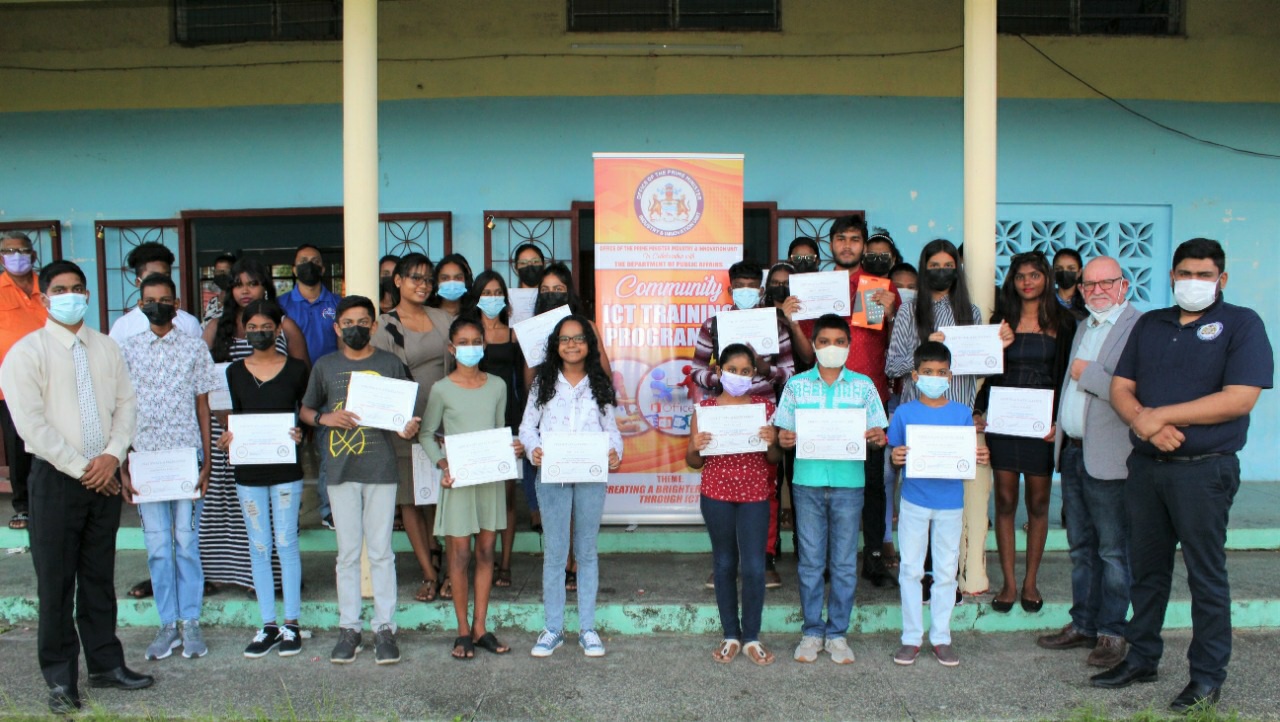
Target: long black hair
x=961 y=306
x=1009 y=303
x=471 y=301
x=547 y=373
x=225 y=335
x=434 y=300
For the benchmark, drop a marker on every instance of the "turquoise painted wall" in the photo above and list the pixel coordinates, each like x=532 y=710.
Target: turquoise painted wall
x=898 y=158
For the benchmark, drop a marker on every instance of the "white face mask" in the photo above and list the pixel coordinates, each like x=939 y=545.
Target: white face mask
x=1194 y=295
x=908 y=296
x=1100 y=314
x=832 y=356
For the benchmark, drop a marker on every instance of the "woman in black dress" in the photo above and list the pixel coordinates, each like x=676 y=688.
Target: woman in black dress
x=1037 y=359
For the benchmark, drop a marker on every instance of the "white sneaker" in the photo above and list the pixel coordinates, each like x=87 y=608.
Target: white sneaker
x=808 y=649
x=839 y=650
x=590 y=643
x=547 y=643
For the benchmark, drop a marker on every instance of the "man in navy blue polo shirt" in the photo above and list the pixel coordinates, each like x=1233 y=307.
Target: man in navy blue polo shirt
x=1187 y=380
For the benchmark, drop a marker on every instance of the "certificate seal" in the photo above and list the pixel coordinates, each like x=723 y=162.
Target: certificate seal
x=242 y=452
x=753 y=441
x=1038 y=426
x=918 y=465
x=463 y=474
x=989 y=362
x=962 y=465
x=144 y=490
x=282 y=451
x=504 y=467
x=596 y=470
x=768 y=344
x=668 y=202
x=188 y=487
x=853 y=447
x=838 y=305
x=713 y=443
x=398 y=420
x=554 y=470
x=809 y=447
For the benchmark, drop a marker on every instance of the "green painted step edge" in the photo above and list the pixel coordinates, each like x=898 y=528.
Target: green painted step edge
x=639 y=618
x=614 y=540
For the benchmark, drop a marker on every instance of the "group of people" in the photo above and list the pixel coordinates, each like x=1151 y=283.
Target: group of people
x=1135 y=453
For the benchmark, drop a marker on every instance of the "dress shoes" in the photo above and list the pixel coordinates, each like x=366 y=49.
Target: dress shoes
x=1123 y=675
x=1068 y=638
x=63 y=699
x=1196 y=695
x=1110 y=651
x=121 y=678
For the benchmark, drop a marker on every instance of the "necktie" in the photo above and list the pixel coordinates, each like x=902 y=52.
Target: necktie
x=90 y=423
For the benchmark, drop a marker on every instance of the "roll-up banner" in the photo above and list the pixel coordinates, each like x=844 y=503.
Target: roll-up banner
x=668 y=226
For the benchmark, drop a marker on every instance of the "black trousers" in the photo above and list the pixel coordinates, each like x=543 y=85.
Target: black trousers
x=1188 y=502
x=15 y=453
x=73 y=546
x=873 y=502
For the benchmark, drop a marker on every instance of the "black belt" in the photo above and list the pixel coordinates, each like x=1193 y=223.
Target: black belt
x=1171 y=458
x=1072 y=441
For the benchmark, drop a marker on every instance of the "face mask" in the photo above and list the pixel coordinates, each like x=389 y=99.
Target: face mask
x=261 y=340
x=1193 y=295
x=548 y=300
x=308 y=274
x=491 y=306
x=908 y=296
x=530 y=275
x=778 y=294
x=68 y=308
x=159 y=314
x=19 y=264
x=940 y=279
x=877 y=267
x=932 y=386
x=832 y=356
x=745 y=298
x=735 y=385
x=1065 y=279
x=355 y=337
x=222 y=281
x=805 y=266
x=469 y=355
x=452 y=290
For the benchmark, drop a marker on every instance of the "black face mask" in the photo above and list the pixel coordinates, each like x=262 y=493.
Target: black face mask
x=778 y=294
x=222 y=281
x=1065 y=279
x=530 y=275
x=805 y=266
x=548 y=300
x=308 y=274
x=940 y=279
x=355 y=337
x=261 y=340
x=877 y=267
x=159 y=314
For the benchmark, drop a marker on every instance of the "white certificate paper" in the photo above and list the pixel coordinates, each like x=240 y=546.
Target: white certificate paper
x=975 y=350
x=480 y=457
x=756 y=327
x=164 y=475
x=426 y=478
x=836 y=434
x=1020 y=412
x=942 y=452
x=821 y=293
x=575 y=457
x=522 y=302
x=532 y=334
x=262 y=439
x=220 y=398
x=734 y=429
x=381 y=402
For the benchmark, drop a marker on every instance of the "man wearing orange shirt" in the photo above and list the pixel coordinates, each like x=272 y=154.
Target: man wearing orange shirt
x=21 y=312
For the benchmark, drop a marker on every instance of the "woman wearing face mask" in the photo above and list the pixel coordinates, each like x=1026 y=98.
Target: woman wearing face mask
x=1036 y=359
x=417 y=334
x=777 y=292
x=736 y=489
x=1067 y=266
x=449 y=284
x=803 y=255
x=468 y=400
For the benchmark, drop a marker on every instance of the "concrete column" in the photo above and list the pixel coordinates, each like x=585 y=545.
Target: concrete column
x=360 y=146
x=980 y=151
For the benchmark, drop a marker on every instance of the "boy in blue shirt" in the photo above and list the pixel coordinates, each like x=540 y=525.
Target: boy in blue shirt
x=926 y=502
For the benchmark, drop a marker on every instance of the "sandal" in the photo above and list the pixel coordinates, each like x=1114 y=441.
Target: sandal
x=491 y=643
x=19 y=520
x=427 y=591
x=756 y=652
x=570 y=580
x=502 y=578
x=446 y=589
x=436 y=557
x=729 y=649
x=466 y=647
x=142 y=589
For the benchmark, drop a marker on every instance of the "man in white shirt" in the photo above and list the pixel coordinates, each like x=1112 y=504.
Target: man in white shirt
x=146 y=259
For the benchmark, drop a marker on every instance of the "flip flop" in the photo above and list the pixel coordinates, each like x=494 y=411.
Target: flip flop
x=756 y=652
x=502 y=578
x=468 y=649
x=142 y=589
x=446 y=589
x=491 y=643
x=427 y=591
x=19 y=520
x=727 y=651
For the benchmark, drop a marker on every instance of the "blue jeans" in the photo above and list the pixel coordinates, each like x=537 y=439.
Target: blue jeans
x=268 y=508
x=1098 y=534
x=529 y=483
x=584 y=505
x=827 y=520
x=171 y=530
x=738 y=533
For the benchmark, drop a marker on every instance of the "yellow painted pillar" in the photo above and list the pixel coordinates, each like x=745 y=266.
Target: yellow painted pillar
x=360 y=146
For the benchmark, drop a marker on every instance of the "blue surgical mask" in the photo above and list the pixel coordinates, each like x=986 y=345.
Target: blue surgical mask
x=745 y=298
x=935 y=387
x=452 y=290
x=491 y=306
x=469 y=355
x=68 y=308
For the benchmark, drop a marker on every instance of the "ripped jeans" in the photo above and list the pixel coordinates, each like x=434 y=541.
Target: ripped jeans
x=266 y=508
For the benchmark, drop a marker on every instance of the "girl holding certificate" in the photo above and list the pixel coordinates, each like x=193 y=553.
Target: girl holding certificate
x=736 y=489
x=572 y=393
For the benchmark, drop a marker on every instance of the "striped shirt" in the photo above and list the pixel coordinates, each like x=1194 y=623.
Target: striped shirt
x=905 y=341
x=782 y=365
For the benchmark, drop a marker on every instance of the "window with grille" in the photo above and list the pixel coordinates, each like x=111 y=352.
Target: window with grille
x=210 y=22
x=656 y=15
x=1091 y=17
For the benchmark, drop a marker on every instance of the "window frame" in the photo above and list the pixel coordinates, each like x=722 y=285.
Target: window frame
x=1177 y=21
x=673 y=20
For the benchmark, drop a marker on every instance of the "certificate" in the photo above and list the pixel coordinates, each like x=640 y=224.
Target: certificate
x=836 y=434
x=220 y=398
x=1020 y=412
x=426 y=478
x=821 y=293
x=480 y=457
x=756 y=327
x=381 y=402
x=522 y=302
x=164 y=475
x=532 y=334
x=941 y=452
x=734 y=429
x=975 y=350
x=262 y=439
x=575 y=457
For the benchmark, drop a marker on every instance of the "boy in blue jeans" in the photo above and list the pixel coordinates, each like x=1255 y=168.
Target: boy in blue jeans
x=926 y=502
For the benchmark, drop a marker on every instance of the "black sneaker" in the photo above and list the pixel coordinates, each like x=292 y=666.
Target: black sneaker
x=290 y=640
x=385 y=650
x=327 y=521
x=926 y=588
x=876 y=571
x=267 y=639
x=350 y=643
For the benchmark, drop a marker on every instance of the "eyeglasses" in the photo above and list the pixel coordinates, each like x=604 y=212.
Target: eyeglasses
x=1105 y=284
x=877 y=256
x=529 y=264
x=566 y=340
x=804 y=259
x=417 y=278
x=17 y=252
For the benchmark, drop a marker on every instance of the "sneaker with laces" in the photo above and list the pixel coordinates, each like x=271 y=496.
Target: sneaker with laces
x=590 y=643
x=327 y=522
x=350 y=643
x=193 y=640
x=547 y=643
x=263 y=642
x=947 y=656
x=290 y=640
x=385 y=649
x=808 y=649
x=839 y=650
x=167 y=640
x=906 y=654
